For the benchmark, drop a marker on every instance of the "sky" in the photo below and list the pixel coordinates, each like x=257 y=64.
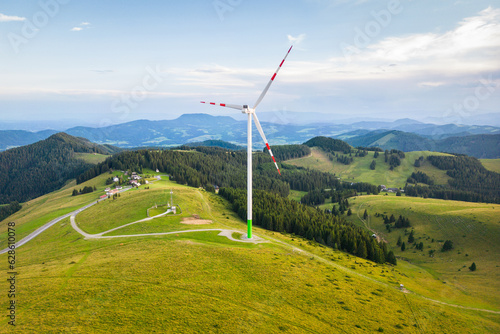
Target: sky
x=71 y=62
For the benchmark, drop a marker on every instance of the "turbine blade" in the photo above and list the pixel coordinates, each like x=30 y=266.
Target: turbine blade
x=271 y=81
x=234 y=106
x=259 y=127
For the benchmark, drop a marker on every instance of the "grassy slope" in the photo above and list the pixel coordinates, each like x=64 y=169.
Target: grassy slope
x=491 y=164
x=201 y=282
x=474 y=229
x=91 y=158
x=359 y=170
x=296 y=195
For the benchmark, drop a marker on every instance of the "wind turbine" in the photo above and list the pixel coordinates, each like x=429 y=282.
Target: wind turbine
x=251 y=113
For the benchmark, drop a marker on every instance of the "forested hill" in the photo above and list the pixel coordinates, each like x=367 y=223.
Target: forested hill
x=329 y=144
x=30 y=171
x=481 y=146
x=216 y=143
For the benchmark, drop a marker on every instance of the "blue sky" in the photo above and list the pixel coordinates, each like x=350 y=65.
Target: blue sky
x=104 y=62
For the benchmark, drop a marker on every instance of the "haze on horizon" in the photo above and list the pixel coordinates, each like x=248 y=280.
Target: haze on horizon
x=95 y=63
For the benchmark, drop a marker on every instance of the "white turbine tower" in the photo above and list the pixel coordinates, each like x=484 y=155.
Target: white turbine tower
x=251 y=113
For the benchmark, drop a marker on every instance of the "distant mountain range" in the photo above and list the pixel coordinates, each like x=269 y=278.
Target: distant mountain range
x=403 y=134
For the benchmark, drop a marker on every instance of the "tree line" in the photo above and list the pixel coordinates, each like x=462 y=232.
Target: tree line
x=420 y=177
x=470 y=182
x=10 y=209
x=287 y=152
x=210 y=166
x=276 y=213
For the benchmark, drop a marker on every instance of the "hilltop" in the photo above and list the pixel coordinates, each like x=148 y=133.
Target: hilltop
x=34 y=170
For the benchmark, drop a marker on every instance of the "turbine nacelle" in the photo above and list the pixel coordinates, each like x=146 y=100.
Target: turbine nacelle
x=247 y=110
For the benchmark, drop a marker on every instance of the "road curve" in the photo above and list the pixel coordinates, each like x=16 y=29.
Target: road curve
x=46 y=226
x=223 y=232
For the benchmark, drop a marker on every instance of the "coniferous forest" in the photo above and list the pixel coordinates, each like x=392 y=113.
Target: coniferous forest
x=276 y=213
x=470 y=182
x=34 y=170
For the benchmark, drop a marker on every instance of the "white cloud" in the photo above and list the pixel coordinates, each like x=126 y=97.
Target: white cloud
x=83 y=25
x=6 y=18
x=431 y=59
x=431 y=84
x=296 y=40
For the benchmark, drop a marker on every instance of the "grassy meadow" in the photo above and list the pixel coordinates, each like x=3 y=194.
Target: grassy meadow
x=200 y=282
x=91 y=157
x=474 y=229
x=491 y=164
x=359 y=170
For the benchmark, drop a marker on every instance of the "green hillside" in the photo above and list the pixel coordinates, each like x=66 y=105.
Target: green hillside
x=491 y=164
x=91 y=158
x=474 y=229
x=37 y=169
x=201 y=282
x=359 y=170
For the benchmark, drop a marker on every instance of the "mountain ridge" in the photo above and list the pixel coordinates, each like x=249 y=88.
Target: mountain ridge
x=190 y=128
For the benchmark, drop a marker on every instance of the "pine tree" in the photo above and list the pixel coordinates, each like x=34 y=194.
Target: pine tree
x=362 y=251
x=373 y=164
x=411 y=237
x=399 y=242
x=365 y=215
x=403 y=246
x=391 y=258
x=349 y=212
x=473 y=267
x=448 y=245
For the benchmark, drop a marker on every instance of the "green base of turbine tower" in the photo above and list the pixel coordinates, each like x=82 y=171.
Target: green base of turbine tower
x=249 y=229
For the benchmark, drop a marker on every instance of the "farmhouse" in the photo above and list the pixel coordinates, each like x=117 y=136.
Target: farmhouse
x=112 y=192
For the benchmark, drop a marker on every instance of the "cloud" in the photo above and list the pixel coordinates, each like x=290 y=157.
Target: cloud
x=472 y=47
x=102 y=71
x=6 y=18
x=296 y=40
x=431 y=84
x=83 y=25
